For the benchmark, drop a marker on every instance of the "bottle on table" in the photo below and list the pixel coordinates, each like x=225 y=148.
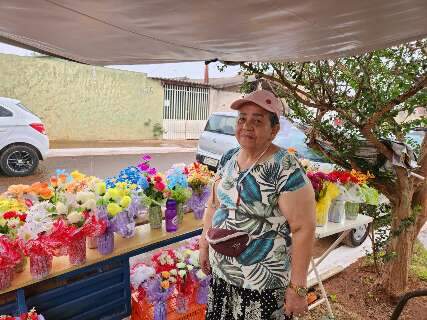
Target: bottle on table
x=171 y=218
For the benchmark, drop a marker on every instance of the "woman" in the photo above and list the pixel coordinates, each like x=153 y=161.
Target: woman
x=261 y=194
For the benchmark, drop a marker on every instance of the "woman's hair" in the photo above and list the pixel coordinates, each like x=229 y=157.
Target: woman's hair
x=274 y=120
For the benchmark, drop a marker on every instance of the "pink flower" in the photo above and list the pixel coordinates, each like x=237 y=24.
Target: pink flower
x=152 y=171
x=143 y=166
x=160 y=186
x=146 y=157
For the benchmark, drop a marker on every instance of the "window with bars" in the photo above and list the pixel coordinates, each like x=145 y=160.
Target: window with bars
x=183 y=102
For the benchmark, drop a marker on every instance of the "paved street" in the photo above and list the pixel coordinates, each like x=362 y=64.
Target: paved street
x=101 y=166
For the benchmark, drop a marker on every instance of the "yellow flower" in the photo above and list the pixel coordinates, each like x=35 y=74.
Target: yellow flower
x=125 y=202
x=113 y=209
x=78 y=176
x=100 y=188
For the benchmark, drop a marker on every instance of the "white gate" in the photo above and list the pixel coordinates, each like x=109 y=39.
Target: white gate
x=185 y=111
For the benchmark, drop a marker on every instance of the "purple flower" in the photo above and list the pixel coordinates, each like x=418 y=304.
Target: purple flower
x=146 y=157
x=143 y=166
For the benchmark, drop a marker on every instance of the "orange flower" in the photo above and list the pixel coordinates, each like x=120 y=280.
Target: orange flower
x=165 y=274
x=19 y=189
x=62 y=178
x=165 y=284
x=54 y=181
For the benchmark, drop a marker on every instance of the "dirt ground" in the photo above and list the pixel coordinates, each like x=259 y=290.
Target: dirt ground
x=357 y=295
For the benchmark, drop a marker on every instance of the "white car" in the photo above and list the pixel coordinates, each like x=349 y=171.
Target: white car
x=23 y=139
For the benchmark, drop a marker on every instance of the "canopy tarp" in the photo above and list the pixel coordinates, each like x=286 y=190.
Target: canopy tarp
x=111 y=32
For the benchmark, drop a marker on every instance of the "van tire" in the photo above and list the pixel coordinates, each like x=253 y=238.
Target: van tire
x=13 y=154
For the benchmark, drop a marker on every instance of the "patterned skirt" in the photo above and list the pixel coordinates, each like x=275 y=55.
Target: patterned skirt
x=228 y=302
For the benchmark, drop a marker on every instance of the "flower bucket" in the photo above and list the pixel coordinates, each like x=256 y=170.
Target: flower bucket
x=155 y=216
x=351 y=210
x=337 y=211
x=6 y=276
x=40 y=266
x=92 y=242
x=198 y=201
x=180 y=212
x=124 y=224
x=321 y=213
x=77 y=251
x=106 y=242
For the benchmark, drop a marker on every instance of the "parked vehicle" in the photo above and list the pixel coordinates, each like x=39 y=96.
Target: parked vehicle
x=23 y=139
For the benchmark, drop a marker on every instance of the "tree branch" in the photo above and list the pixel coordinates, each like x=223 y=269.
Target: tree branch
x=419 y=85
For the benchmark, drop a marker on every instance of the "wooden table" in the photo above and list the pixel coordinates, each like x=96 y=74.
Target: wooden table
x=99 y=289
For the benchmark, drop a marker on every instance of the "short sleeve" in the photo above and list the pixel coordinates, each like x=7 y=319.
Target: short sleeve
x=292 y=175
x=224 y=159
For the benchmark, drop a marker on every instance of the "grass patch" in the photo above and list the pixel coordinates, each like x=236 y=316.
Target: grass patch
x=419 y=261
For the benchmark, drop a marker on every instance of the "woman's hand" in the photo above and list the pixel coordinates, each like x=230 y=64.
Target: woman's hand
x=295 y=304
x=204 y=259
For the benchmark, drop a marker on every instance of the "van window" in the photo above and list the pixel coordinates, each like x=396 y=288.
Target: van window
x=221 y=124
x=5 y=112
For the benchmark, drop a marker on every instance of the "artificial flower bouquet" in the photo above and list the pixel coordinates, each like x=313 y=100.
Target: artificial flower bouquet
x=154 y=192
x=10 y=257
x=178 y=188
x=31 y=315
x=325 y=192
x=199 y=178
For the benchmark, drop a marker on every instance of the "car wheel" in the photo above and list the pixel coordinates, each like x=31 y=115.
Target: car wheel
x=357 y=236
x=19 y=160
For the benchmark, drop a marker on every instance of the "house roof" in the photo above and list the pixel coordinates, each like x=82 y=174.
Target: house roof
x=218 y=83
x=136 y=32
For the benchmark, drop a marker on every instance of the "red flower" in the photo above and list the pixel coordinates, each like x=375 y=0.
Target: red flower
x=148 y=179
x=10 y=214
x=28 y=203
x=159 y=186
x=23 y=217
x=157 y=178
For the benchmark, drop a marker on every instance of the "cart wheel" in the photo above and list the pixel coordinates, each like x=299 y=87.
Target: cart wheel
x=357 y=236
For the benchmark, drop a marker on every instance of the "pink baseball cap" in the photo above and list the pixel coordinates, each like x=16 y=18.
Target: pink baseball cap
x=263 y=98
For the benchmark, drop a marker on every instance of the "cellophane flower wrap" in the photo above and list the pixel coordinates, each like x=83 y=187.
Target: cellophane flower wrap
x=325 y=192
x=203 y=287
x=178 y=188
x=9 y=258
x=158 y=291
x=105 y=241
x=140 y=273
x=199 y=177
x=31 y=315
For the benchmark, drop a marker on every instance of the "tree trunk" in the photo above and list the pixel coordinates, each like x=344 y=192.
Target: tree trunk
x=396 y=277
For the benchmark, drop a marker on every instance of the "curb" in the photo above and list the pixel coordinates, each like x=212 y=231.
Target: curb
x=82 y=152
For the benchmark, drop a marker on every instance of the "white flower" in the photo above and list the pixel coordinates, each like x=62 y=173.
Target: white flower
x=180 y=265
x=90 y=204
x=172 y=279
x=75 y=217
x=182 y=273
x=190 y=267
x=173 y=272
x=14 y=222
x=39 y=219
x=141 y=274
x=61 y=208
x=84 y=196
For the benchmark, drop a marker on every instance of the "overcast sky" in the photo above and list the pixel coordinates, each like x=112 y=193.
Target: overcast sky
x=193 y=70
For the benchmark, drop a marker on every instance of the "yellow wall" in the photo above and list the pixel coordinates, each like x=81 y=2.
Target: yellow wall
x=79 y=102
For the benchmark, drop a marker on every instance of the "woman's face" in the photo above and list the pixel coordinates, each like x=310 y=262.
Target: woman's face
x=253 y=129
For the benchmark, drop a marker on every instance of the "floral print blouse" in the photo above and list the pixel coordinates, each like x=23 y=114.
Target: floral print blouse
x=266 y=262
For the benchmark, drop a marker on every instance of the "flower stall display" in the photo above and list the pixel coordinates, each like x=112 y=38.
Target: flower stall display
x=9 y=258
x=325 y=191
x=154 y=192
x=179 y=191
x=31 y=315
x=199 y=177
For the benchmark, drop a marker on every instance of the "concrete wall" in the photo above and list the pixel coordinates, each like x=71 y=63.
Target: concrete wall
x=79 y=102
x=220 y=100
